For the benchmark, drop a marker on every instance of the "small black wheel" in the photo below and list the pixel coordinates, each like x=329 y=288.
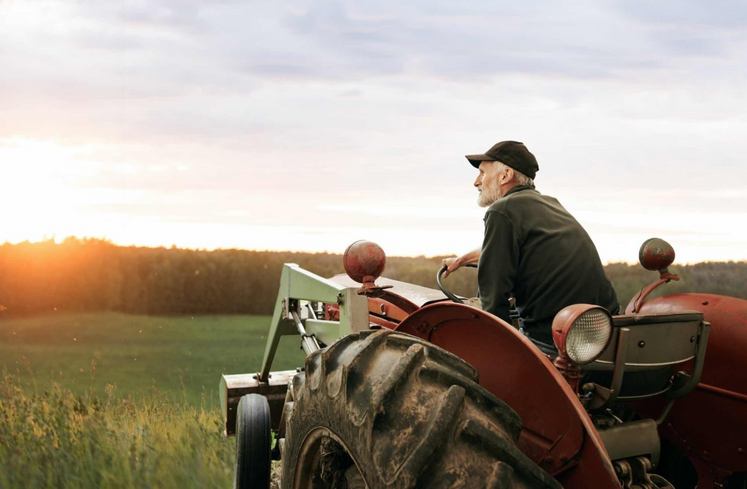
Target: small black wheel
x=253 y=438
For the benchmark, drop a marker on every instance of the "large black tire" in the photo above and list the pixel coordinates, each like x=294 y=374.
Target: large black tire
x=253 y=438
x=391 y=410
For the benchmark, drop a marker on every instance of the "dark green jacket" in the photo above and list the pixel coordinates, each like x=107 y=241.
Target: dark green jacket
x=537 y=252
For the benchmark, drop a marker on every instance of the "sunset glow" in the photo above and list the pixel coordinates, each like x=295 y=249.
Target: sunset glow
x=306 y=127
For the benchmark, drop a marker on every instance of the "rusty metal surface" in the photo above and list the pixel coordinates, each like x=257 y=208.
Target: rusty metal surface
x=656 y=254
x=234 y=387
x=392 y=310
x=415 y=294
x=557 y=433
x=386 y=311
x=636 y=302
x=364 y=261
x=710 y=424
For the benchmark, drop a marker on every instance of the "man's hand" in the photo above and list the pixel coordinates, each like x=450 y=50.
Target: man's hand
x=455 y=264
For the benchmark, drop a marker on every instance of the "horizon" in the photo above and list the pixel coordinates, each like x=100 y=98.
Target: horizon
x=59 y=241
x=309 y=125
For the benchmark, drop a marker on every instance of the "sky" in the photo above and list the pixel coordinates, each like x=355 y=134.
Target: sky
x=308 y=125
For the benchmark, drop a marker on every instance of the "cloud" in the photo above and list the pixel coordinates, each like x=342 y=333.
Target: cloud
x=718 y=13
x=286 y=110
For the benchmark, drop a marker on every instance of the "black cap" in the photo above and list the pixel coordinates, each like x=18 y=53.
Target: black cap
x=510 y=153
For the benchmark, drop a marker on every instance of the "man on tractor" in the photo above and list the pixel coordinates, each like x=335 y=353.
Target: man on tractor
x=533 y=248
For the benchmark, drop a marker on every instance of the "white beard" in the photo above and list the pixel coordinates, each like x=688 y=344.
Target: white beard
x=488 y=195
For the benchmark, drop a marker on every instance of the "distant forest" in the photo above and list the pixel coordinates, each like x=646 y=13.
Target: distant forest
x=96 y=275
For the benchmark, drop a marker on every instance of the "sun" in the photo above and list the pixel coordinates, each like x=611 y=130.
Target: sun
x=36 y=197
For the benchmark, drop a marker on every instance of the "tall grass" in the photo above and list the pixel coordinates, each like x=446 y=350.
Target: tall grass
x=58 y=439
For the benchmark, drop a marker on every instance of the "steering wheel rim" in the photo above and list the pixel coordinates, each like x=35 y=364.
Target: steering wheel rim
x=448 y=294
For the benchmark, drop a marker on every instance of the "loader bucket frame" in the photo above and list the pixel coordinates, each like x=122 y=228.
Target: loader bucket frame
x=298 y=288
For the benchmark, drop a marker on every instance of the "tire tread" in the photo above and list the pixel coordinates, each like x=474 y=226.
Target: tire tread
x=412 y=415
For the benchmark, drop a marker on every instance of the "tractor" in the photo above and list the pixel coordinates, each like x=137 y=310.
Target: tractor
x=405 y=386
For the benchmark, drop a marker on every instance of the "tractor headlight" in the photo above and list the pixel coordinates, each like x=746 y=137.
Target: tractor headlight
x=582 y=332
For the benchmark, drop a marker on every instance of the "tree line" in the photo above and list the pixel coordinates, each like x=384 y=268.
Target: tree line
x=96 y=275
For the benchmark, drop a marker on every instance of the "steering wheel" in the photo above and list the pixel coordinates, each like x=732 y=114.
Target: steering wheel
x=443 y=289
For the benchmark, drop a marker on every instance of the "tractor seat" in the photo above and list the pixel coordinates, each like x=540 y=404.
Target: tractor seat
x=651 y=345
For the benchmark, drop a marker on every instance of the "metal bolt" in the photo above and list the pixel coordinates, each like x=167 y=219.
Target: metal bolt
x=641 y=344
x=422 y=328
x=692 y=339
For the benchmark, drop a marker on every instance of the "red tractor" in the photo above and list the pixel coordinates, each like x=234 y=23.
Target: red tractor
x=403 y=387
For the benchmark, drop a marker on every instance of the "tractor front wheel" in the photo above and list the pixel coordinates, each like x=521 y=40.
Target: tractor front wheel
x=253 y=438
x=385 y=409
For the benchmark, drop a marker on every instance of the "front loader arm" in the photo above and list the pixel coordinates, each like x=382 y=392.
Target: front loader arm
x=296 y=285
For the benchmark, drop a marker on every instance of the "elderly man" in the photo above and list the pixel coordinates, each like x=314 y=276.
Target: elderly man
x=533 y=248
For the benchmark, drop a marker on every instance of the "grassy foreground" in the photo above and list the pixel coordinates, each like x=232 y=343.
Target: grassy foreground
x=62 y=440
x=178 y=357
x=107 y=400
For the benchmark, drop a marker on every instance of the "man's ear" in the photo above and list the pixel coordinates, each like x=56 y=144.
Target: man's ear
x=509 y=173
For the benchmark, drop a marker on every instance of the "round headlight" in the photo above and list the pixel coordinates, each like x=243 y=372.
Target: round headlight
x=582 y=332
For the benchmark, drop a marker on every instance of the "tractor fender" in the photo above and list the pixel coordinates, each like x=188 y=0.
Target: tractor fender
x=557 y=433
x=709 y=425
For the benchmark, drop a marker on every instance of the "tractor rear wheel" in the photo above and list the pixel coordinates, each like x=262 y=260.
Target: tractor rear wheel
x=385 y=409
x=253 y=438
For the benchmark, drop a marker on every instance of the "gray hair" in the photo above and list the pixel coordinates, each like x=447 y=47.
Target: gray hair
x=520 y=178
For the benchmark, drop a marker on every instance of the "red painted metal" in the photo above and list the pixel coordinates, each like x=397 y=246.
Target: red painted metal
x=561 y=326
x=723 y=392
x=634 y=306
x=709 y=475
x=364 y=261
x=710 y=424
x=656 y=254
x=393 y=304
x=557 y=433
x=570 y=372
x=387 y=310
x=399 y=302
x=384 y=323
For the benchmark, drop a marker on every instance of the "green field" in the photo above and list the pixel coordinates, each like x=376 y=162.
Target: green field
x=110 y=400
x=174 y=357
